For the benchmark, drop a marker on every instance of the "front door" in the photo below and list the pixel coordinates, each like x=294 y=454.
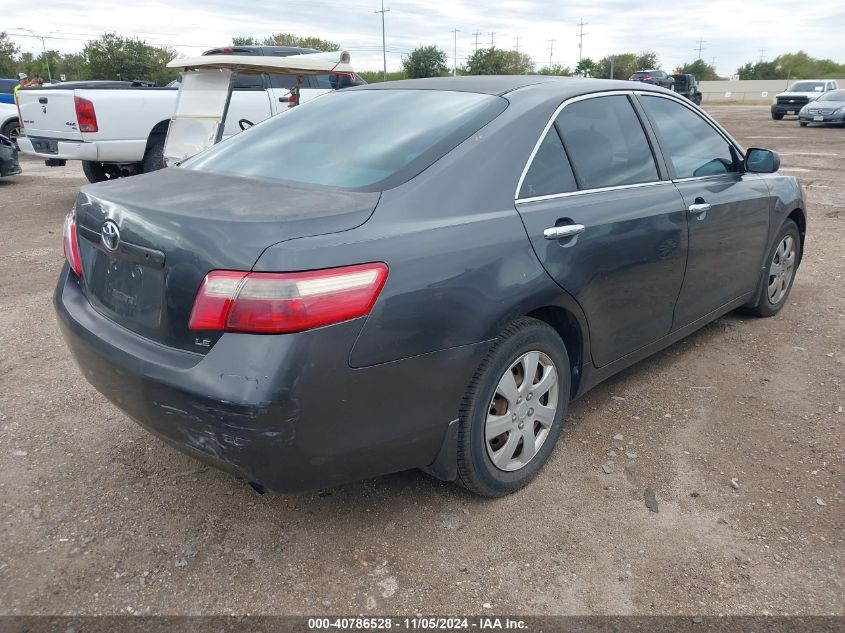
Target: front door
x=728 y=209
x=605 y=225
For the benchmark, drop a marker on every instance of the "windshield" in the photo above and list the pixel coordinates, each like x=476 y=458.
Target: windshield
x=360 y=139
x=807 y=86
x=833 y=95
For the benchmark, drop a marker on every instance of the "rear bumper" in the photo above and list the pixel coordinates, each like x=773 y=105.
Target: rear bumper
x=285 y=411
x=96 y=151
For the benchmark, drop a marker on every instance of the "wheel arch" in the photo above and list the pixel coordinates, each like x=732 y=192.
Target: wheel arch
x=159 y=130
x=571 y=332
x=798 y=216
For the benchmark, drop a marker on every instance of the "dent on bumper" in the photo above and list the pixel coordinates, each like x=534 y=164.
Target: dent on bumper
x=286 y=411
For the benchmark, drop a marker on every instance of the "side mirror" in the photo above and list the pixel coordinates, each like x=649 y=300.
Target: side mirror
x=761 y=161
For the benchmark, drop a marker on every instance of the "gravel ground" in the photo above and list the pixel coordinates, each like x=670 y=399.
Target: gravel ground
x=737 y=432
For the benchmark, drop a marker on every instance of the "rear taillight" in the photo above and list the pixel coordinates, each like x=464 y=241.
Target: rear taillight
x=70 y=244
x=274 y=303
x=85 y=115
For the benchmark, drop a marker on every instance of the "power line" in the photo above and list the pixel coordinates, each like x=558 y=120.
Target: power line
x=700 y=47
x=581 y=35
x=383 y=46
x=43 y=39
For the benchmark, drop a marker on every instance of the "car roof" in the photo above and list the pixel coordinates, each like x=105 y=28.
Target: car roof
x=503 y=84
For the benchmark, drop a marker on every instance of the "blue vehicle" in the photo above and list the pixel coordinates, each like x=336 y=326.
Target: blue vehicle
x=7 y=89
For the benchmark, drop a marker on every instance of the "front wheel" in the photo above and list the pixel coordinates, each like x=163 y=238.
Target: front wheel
x=782 y=263
x=802 y=123
x=776 y=116
x=514 y=409
x=12 y=130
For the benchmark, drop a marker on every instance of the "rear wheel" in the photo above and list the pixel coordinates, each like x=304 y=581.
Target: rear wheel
x=154 y=158
x=514 y=410
x=782 y=263
x=99 y=172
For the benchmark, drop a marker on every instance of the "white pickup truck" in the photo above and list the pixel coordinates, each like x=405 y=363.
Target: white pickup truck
x=800 y=94
x=119 y=128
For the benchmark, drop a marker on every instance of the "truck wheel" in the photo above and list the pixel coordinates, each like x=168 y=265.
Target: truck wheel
x=154 y=158
x=777 y=117
x=99 y=172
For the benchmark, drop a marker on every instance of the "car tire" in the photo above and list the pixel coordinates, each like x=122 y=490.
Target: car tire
x=802 y=123
x=786 y=248
x=526 y=343
x=154 y=157
x=777 y=117
x=12 y=131
x=99 y=172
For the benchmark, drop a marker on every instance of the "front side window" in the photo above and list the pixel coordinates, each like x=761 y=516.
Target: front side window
x=695 y=148
x=606 y=143
x=360 y=139
x=549 y=172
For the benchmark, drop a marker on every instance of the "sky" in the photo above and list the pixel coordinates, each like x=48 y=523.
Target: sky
x=733 y=32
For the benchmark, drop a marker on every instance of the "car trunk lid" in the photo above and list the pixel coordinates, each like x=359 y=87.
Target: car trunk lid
x=174 y=226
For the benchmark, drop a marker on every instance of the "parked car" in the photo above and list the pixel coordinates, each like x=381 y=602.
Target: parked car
x=9 y=165
x=119 y=128
x=800 y=94
x=414 y=275
x=654 y=77
x=7 y=90
x=687 y=85
x=9 y=122
x=828 y=108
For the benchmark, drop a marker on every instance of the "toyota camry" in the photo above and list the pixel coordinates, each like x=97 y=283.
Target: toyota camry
x=418 y=274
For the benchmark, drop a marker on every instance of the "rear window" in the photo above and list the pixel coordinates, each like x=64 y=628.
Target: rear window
x=364 y=139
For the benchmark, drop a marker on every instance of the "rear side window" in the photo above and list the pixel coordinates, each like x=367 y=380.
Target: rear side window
x=248 y=82
x=695 y=148
x=550 y=172
x=606 y=143
x=284 y=82
x=6 y=87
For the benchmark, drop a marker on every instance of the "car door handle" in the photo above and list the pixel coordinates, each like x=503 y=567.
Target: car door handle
x=696 y=209
x=562 y=232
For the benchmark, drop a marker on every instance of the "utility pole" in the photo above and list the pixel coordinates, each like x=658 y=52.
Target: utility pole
x=43 y=39
x=492 y=35
x=713 y=62
x=612 y=59
x=477 y=33
x=383 y=46
x=581 y=35
x=455 y=58
x=551 y=50
x=517 y=43
x=762 y=54
x=700 y=47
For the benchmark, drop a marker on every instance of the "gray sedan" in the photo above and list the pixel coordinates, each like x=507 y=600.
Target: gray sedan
x=418 y=274
x=828 y=108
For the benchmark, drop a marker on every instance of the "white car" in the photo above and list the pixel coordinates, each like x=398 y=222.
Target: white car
x=119 y=128
x=800 y=94
x=9 y=124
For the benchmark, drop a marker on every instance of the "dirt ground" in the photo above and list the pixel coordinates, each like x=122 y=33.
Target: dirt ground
x=99 y=517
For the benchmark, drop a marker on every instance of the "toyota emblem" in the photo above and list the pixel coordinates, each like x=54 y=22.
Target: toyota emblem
x=110 y=235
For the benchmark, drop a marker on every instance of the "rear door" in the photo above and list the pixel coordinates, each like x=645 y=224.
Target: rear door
x=606 y=223
x=728 y=208
x=49 y=112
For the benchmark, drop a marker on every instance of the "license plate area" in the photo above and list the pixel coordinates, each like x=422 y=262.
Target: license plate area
x=818 y=117
x=128 y=292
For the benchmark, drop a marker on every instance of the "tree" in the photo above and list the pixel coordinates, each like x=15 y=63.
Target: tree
x=792 y=66
x=8 y=51
x=625 y=64
x=701 y=69
x=586 y=67
x=425 y=61
x=556 y=69
x=759 y=70
x=244 y=40
x=495 y=61
x=112 y=56
x=289 y=39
